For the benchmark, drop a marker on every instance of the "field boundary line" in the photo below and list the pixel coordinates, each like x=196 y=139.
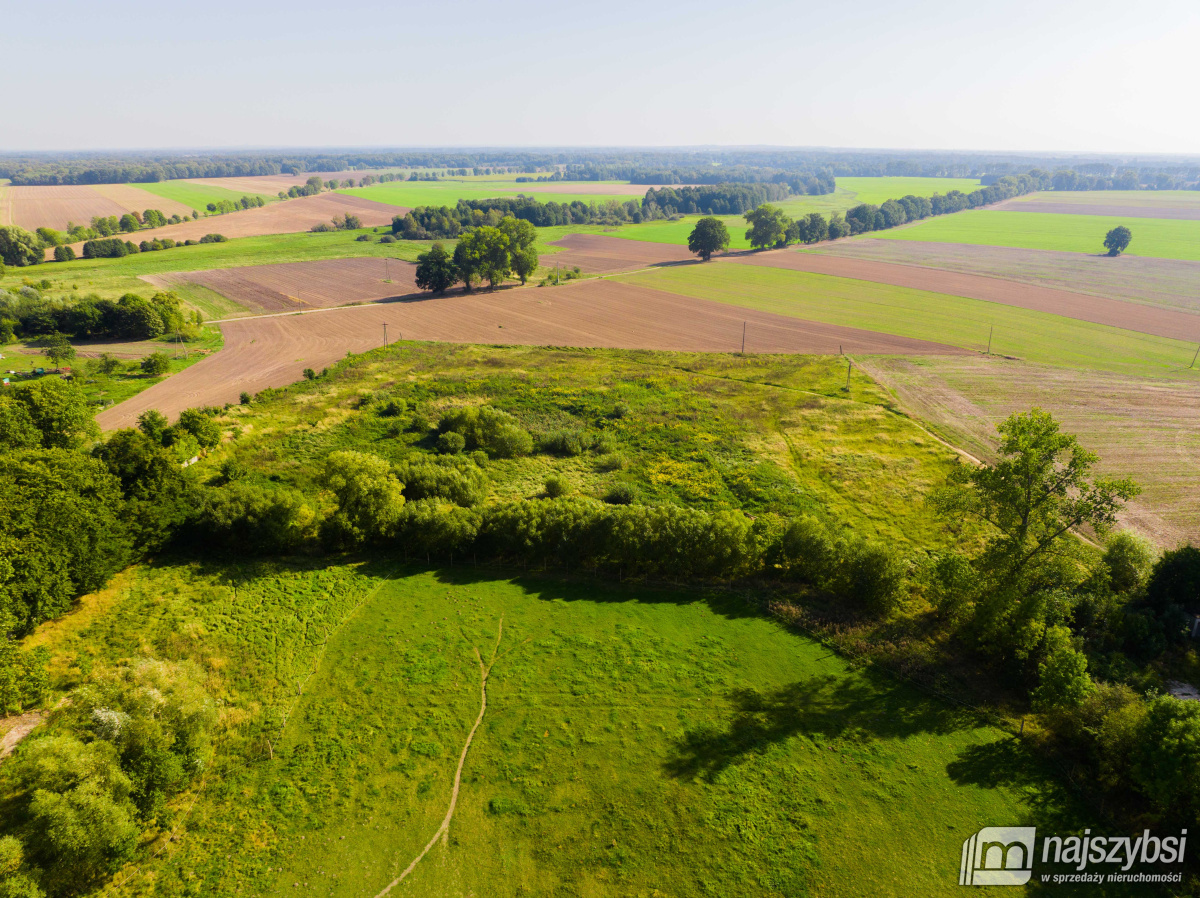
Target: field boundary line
x=444 y=829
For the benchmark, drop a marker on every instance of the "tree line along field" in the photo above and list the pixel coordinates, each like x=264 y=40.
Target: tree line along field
x=1030 y=335
x=1159 y=238
x=197 y=196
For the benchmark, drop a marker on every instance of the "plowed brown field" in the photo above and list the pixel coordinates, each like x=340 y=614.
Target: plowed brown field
x=1162 y=282
x=279 y=218
x=294 y=286
x=1115 y=210
x=53 y=207
x=597 y=254
x=1160 y=322
x=273 y=351
x=1145 y=428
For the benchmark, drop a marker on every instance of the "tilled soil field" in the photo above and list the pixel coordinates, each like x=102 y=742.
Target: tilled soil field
x=1145 y=428
x=1159 y=282
x=275 y=350
x=52 y=207
x=597 y=254
x=295 y=286
x=277 y=218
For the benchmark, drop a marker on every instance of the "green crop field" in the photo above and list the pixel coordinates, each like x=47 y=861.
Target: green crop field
x=448 y=193
x=879 y=190
x=956 y=320
x=636 y=741
x=198 y=196
x=1160 y=238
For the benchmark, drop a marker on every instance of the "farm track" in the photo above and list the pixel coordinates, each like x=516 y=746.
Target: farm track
x=1160 y=322
x=274 y=350
x=444 y=829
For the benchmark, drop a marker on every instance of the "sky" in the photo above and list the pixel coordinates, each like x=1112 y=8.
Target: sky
x=1086 y=76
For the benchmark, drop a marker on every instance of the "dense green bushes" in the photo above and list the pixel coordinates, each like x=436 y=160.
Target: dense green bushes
x=132 y=317
x=490 y=429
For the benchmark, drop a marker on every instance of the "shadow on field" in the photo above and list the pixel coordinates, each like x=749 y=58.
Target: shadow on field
x=554 y=586
x=860 y=707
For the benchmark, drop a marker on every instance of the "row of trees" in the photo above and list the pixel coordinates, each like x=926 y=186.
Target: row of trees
x=28 y=314
x=484 y=253
x=114 y=247
x=222 y=207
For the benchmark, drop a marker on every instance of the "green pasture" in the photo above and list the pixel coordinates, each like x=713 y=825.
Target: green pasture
x=447 y=193
x=197 y=196
x=879 y=190
x=1163 y=199
x=1157 y=237
x=637 y=741
x=954 y=320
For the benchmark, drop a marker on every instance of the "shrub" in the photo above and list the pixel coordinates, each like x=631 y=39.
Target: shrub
x=213 y=238
x=870 y=575
x=494 y=431
x=1128 y=559
x=556 y=485
x=450 y=479
x=64 y=254
x=566 y=442
x=613 y=461
x=363 y=238
x=620 y=493
x=245 y=398
x=393 y=408
x=807 y=552
x=451 y=442
x=310 y=374
x=248 y=519
x=156 y=364
x=369 y=498
x=387 y=238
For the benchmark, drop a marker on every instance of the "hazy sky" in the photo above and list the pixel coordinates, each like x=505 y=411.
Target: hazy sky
x=955 y=74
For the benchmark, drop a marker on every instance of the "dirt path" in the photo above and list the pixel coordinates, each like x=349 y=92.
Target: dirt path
x=444 y=829
x=17 y=728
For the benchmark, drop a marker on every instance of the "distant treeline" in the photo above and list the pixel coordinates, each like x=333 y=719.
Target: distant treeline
x=428 y=222
x=679 y=166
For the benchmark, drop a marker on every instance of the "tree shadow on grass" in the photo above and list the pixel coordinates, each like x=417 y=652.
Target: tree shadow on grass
x=863 y=705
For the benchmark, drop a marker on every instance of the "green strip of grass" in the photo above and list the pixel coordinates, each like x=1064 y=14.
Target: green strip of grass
x=197 y=196
x=448 y=193
x=1156 y=237
x=954 y=320
x=112 y=277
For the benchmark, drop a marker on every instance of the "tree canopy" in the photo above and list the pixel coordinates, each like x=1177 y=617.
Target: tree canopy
x=1117 y=240
x=709 y=236
x=768 y=226
x=436 y=270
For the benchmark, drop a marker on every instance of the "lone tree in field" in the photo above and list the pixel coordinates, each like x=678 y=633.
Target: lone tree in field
x=709 y=236
x=1116 y=240
x=436 y=270
x=58 y=350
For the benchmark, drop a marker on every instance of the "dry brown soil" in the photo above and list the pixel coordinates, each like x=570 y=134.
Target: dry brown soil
x=1160 y=322
x=295 y=286
x=1142 y=427
x=54 y=206
x=598 y=254
x=273 y=351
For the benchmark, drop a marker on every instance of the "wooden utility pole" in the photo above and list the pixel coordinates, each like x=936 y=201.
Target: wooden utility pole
x=1194 y=357
x=849 y=368
x=385 y=342
x=991 y=328
x=743 y=338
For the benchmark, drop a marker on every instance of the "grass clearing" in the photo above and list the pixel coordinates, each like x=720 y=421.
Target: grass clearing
x=198 y=196
x=955 y=320
x=1159 y=238
x=635 y=740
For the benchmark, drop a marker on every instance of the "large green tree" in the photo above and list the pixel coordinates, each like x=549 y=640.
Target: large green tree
x=436 y=270
x=708 y=236
x=18 y=247
x=768 y=226
x=58 y=349
x=522 y=235
x=1117 y=240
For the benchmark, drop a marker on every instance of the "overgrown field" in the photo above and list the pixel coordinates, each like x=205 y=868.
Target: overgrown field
x=761 y=433
x=1160 y=238
x=959 y=321
x=636 y=741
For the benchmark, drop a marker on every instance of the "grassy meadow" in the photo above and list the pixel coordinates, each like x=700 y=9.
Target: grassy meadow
x=637 y=740
x=198 y=196
x=1156 y=237
x=955 y=320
